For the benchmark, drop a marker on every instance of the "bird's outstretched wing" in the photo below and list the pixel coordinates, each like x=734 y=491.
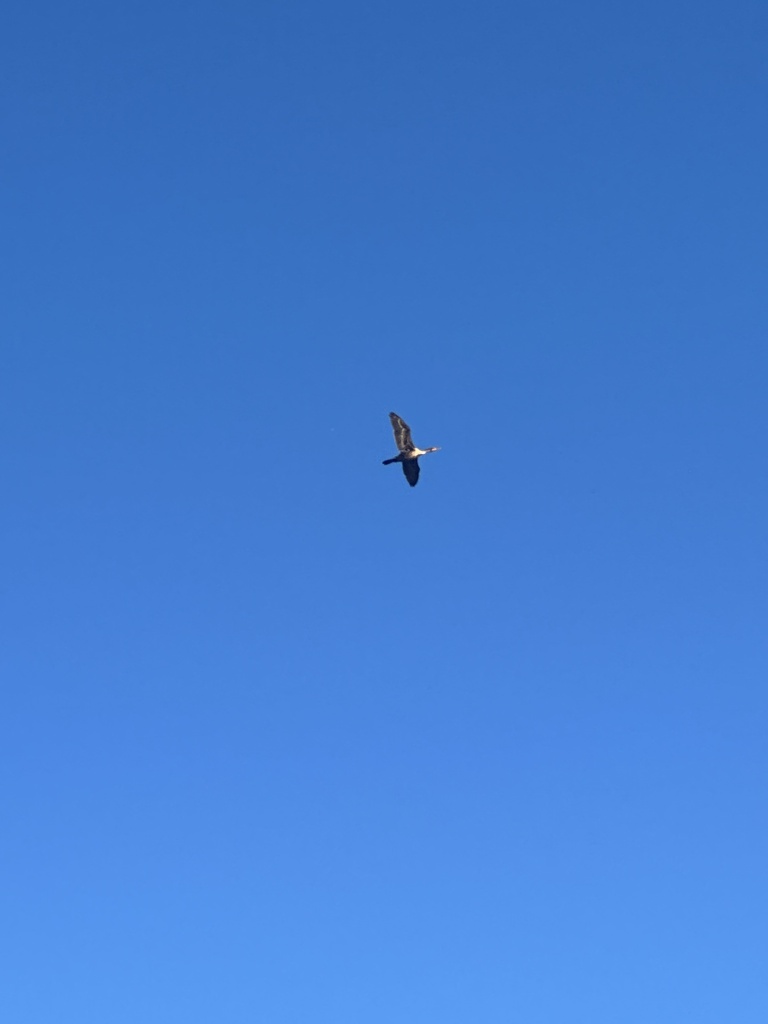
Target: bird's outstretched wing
x=402 y=434
x=411 y=470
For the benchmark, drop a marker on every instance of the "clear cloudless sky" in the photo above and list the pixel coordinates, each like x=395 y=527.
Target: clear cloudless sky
x=283 y=739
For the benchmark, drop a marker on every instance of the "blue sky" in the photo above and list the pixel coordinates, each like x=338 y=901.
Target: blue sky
x=285 y=740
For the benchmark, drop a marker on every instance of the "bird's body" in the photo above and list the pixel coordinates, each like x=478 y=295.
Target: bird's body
x=409 y=454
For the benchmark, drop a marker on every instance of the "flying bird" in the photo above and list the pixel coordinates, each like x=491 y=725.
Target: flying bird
x=409 y=453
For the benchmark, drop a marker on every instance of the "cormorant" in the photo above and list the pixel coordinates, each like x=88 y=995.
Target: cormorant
x=409 y=453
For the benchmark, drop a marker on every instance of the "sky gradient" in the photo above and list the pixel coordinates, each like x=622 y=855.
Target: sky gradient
x=285 y=740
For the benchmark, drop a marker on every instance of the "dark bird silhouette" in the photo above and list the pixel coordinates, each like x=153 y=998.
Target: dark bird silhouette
x=409 y=453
